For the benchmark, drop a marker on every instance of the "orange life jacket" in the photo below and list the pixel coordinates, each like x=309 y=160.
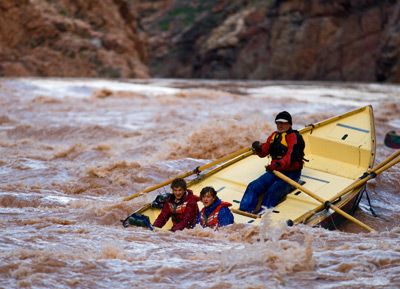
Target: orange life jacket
x=212 y=219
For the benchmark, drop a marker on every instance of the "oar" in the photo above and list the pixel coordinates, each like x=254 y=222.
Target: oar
x=387 y=160
x=243 y=213
x=189 y=173
x=370 y=175
x=384 y=165
x=221 y=167
x=318 y=198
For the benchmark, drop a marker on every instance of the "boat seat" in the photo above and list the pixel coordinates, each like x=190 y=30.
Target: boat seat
x=338 y=157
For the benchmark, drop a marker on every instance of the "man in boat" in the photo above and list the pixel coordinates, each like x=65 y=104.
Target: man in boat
x=181 y=206
x=215 y=212
x=286 y=148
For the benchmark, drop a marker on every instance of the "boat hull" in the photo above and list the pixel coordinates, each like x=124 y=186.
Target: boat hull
x=340 y=150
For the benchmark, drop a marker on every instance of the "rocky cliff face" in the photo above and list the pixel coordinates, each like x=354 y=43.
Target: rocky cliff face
x=345 y=40
x=85 y=38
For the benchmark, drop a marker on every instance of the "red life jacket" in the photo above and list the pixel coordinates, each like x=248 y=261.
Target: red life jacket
x=279 y=145
x=183 y=214
x=177 y=211
x=212 y=220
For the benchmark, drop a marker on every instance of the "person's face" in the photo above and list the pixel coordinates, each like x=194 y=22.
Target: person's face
x=178 y=192
x=208 y=199
x=282 y=126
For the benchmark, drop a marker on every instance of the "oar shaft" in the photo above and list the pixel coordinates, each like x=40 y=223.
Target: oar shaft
x=321 y=200
x=387 y=163
x=243 y=213
x=155 y=187
x=187 y=174
x=387 y=160
x=351 y=218
x=372 y=173
x=221 y=167
x=225 y=158
x=298 y=186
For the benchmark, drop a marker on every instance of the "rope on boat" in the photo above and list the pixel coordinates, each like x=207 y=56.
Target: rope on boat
x=358 y=200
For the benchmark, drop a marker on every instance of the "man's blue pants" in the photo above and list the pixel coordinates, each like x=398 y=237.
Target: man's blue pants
x=273 y=188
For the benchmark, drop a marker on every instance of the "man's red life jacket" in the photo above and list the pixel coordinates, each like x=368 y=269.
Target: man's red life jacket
x=183 y=214
x=177 y=211
x=286 y=150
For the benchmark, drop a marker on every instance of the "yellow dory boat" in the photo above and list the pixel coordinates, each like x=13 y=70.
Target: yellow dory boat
x=340 y=153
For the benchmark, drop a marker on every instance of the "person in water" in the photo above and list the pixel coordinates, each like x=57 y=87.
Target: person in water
x=181 y=206
x=215 y=213
x=286 y=148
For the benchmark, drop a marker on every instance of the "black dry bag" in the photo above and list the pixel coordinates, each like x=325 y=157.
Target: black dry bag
x=138 y=220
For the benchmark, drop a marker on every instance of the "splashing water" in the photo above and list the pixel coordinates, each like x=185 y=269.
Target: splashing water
x=71 y=149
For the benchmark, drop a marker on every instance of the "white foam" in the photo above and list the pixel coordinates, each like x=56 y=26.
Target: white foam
x=83 y=88
x=357 y=96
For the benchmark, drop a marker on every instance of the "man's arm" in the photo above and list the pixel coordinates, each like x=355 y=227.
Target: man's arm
x=265 y=147
x=163 y=217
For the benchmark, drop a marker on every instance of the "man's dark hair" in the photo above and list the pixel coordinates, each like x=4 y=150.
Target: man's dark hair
x=179 y=183
x=206 y=190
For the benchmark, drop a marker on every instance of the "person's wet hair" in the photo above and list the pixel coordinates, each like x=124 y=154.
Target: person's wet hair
x=179 y=183
x=206 y=190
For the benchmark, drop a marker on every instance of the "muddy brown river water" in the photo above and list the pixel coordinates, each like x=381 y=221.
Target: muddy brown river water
x=71 y=149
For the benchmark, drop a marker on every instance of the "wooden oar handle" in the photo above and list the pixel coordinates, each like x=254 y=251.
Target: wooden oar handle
x=243 y=213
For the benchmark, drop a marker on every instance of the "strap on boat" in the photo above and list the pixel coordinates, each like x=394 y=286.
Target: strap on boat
x=366 y=174
x=357 y=202
x=312 y=127
x=370 y=206
x=327 y=205
x=197 y=170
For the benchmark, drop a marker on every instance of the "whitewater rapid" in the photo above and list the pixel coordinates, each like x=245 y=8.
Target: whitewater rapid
x=71 y=149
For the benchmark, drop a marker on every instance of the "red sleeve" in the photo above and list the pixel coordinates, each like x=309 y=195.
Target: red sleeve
x=163 y=217
x=265 y=147
x=189 y=218
x=284 y=164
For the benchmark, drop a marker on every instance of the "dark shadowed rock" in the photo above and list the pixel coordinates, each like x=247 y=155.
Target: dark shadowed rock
x=344 y=40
